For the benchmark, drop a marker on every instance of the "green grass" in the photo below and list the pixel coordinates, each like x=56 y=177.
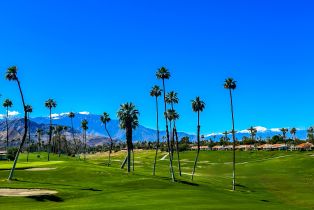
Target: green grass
x=267 y=180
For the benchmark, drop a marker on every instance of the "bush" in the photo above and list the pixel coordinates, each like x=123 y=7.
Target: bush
x=11 y=153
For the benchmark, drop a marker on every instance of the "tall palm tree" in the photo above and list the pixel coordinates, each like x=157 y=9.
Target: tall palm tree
x=71 y=115
x=293 y=132
x=128 y=117
x=197 y=106
x=284 y=132
x=50 y=104
x=106 y=119
x=39 y=132
x=84 y=126
x=29 y=109
x=156 y=92
x=7 y=104
x=11 y=75
x=163 y=74
x=230 y=84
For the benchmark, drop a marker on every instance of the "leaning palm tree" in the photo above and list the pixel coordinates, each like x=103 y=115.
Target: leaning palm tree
x=163 y=74
x=84 y=126
x=106 y=119
x=128 y=117
x=284 y=132
x=230 y=84
x=156 y=92
x=50 y=104
x=7 y=104
x=11 y=75
x=29 y=109
x=197 y=106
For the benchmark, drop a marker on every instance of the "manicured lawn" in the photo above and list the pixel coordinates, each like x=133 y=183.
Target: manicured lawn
x=267 y=180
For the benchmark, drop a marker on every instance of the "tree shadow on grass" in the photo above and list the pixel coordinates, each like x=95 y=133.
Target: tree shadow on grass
x=43 y=198
x=91 y=189
x=187 y=183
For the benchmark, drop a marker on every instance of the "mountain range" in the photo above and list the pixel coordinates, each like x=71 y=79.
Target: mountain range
x=97 y=134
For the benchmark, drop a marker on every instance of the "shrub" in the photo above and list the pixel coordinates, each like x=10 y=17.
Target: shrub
x=11 y=153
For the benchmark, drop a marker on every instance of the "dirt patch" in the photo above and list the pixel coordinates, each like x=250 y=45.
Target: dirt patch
x=39 y=169
x=25 y=192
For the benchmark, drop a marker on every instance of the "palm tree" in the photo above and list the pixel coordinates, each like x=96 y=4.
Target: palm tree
x=11 y=75
x=106 y=119
x=172 y=115
x=39 y=132
x=226 y=133
x=156 y=92
x=128 y=117
x=50 y=103
x=230 y=84
x=310 y=133
x=252 y=131
x=84 y=126
x=163 y=74
x=71 y=115
x=7 y=104
x=197 y=106
x=284 y=132
x=172 y=98
x=29 y=109
x=293 y=132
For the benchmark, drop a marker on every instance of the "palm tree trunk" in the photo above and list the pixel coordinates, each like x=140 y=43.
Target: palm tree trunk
x=167 y=133
x=178 y=152
x=198 y=143
x=110 y=148
x=84 y=144
x=7 y=124
x=29 y=137
x=24 y=135
x=233 y=147
x=50 y=133
x=128 y=131
x=157 y=145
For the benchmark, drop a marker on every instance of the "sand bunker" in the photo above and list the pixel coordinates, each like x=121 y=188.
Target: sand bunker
x=39 y=169
x=25 y=192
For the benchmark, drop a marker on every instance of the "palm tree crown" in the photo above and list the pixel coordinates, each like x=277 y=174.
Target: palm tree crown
x=156 y=91
x=11 y=73
x=171 y=115
x=128 y=114
x=230 y=84
x=105 y=118
x=84 y=124
x=50 y=103
x=28 y=108
x=163 y=73
x=71 y=115
x=198 y=105
x=172 y=98
x=7 y=103
x=293 y=131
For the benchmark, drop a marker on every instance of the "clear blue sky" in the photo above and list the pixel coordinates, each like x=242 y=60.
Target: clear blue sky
x=94 y=55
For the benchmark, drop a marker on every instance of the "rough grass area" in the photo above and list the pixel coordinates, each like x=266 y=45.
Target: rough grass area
x=265 y=180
